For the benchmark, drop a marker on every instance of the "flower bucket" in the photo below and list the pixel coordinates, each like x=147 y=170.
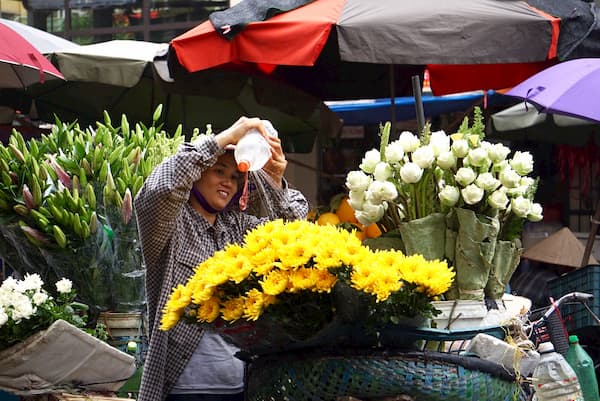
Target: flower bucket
x=125 y=327
x=459 y=314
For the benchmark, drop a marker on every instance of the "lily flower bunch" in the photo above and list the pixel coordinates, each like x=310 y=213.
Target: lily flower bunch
x=289 y=273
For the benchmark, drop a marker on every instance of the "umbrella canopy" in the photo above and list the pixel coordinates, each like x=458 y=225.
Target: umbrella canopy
x=524 y=121
x=569 y=88
x=21 y=65
x=43 y=41
x=119 y=76
x=343 y=49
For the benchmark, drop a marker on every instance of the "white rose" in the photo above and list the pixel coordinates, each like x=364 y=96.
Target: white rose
x=409 y=141
x=356 y=199
x=21 y=307
x=498 y=200
x=487 y=181
x=380 y=191
x=517 y=191
x=370 y=214
x=3 y=316
x=522 y=163
x=472 y=194
x=411 y=173
x=526 y=182
x=465 y=176
x=520 y=206
x=423 y=156
x=39 y=298
x=535 y=214
x=372 y=157
x=357 y=181
x=509 y=178
x=449 y=195
x=498 y=152
x=439 y=142
x=460 y=147
x=394 y=152
x=478 y=157
x=382 y=171
x=64 y=286
x=446 y=160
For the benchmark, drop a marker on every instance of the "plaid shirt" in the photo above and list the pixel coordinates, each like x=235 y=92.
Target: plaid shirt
x=175 y=239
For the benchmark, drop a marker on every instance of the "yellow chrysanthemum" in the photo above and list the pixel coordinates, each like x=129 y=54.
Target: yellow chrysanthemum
x=253 y=304
x=275 y=282
x=232 y=309
x=209 y=310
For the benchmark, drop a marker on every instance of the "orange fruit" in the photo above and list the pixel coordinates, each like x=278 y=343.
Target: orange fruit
x=360 y=232
x=373 y=231
x=345 y=212
x=328 y=218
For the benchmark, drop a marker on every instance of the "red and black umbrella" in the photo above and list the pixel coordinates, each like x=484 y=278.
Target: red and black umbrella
x=346 y=49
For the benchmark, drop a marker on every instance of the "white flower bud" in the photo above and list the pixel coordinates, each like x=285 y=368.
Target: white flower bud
x=522 y=163
x=478 y=157
x=394 y=152
x=449 y=195
x=372 y=157
x=357 y=181
x=3 y=316
x=409 y=141
x=465 y=176
x=380 y=191
x=520 y=206
x=370 y=214
x=356 y=198
x=423 y=157
x=446 y=160
x=39 y=298
x=498 y=152
x=439 y=142
x=460 y=147
x=472 y=194
x=382 y=171
x=498 y=200
x=411 y=173
x=535 y=214
x=487 y=182
x=509 y=178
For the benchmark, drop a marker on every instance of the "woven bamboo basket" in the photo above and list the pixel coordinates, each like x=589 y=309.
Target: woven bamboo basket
x=367 y=373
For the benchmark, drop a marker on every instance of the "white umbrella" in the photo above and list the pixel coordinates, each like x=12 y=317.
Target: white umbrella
x=43 y=41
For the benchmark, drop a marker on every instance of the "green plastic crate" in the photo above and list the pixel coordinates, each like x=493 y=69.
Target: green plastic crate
x=585 y=279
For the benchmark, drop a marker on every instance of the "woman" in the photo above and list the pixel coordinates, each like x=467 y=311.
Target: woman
x=186 y=211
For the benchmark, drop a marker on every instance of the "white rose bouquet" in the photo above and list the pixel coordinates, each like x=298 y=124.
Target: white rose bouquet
x=449 y=196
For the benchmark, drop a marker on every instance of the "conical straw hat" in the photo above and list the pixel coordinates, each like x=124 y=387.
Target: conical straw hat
x=561 y=248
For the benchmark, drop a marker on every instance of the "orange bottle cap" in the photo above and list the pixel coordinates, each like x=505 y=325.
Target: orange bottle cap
x=243 y=166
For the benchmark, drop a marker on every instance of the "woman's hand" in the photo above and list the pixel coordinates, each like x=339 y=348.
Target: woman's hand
x=232 y=135
x=277 y=164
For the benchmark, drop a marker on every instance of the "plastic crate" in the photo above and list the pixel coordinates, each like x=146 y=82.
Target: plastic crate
x=585 y=279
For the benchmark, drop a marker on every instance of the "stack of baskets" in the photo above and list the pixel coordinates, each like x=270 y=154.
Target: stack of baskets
x=434 y=370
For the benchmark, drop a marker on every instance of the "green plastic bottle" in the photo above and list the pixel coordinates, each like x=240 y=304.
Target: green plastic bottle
x=583 y=365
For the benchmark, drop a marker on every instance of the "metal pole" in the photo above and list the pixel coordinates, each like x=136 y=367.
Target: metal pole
x=416 y=85
x=591 y=237
x=393 y=98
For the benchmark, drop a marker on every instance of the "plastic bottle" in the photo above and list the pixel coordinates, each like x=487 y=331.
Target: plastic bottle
x=553 y=378
x=252 y=150
x=583 y=365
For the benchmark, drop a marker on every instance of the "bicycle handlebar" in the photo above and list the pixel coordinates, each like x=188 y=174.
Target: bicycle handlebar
x=581 y=297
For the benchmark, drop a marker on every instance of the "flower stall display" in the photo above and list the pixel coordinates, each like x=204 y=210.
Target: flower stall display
x=292 y=284
x=66 y=206
x=47 y=344
x=454 y=197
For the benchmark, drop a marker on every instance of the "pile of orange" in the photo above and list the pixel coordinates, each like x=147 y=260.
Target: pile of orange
x=342 y=214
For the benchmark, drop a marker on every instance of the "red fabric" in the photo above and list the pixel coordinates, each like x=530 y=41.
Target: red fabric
x=446 y=79
x=555 y=22
x=290 y=43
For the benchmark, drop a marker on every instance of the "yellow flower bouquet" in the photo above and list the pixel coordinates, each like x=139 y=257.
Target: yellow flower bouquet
x=289 y=283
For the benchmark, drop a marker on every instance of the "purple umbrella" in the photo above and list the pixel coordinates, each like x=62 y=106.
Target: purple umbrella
x=570 y=88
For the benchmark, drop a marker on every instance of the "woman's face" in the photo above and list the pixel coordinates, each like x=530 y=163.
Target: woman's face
x=220 y=182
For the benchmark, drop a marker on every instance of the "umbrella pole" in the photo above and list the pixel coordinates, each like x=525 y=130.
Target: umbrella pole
x=416 y=86
x=393 y=98
x=595 y=220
